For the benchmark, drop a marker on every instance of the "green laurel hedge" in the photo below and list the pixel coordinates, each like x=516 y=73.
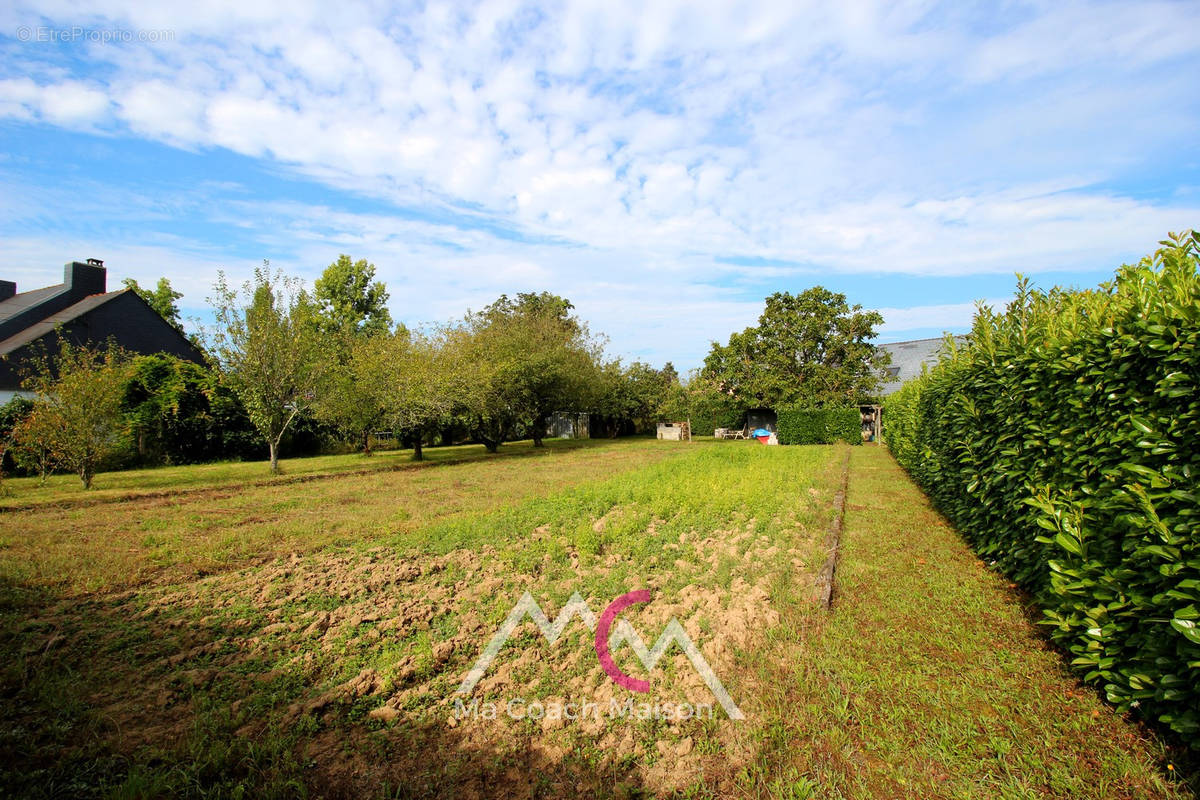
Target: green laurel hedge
x=1064 y=443
x=819 y=426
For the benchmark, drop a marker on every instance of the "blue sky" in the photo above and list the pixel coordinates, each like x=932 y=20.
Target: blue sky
x=663 y=165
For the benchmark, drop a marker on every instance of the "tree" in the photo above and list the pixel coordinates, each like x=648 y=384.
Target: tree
x=181 y=413
x=353 y=395
x=811 y=349
x=266 y=348
x=351 y=313
x=31 y=443
x=530 y=356
x=161 y=299
x=670 y=375
x=12 y=414
x=76 y=420
x=350 y=299
x=631 y=397
x=426 y=382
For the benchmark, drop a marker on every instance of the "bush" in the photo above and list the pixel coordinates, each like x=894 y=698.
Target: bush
x=179 y=413
x=1061 y=442
x=819 y=426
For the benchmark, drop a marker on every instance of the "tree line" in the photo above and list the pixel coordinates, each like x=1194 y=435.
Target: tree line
x=330 y=363
x=286 y=366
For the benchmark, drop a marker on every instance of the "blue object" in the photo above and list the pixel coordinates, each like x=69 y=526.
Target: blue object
x=761 y=432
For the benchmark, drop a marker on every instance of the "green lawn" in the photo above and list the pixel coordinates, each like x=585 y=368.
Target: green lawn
x=65 y=489
x=929 y=679
x=268 y=639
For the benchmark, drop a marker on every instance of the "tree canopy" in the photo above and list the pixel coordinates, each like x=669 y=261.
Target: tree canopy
x=810 y=349
x=266 y=347
x=349 y=298
x=528 y=356
x=76 y=420
x=161 y=298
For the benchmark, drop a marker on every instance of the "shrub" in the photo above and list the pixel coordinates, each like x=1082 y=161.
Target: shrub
x=1061 y=442
x=180 y=413
x=819 y=426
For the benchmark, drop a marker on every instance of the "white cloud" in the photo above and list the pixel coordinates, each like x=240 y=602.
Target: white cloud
x=948 y=317
x=915 y=138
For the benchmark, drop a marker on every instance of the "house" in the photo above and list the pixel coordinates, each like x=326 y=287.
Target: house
x=908 y=358
x=85 y=312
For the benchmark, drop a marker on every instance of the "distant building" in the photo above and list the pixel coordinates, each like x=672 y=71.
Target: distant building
x=84 y=312
x=567 y=425
x=909 y=357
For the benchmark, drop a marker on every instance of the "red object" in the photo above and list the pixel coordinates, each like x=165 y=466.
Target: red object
x=763 y=439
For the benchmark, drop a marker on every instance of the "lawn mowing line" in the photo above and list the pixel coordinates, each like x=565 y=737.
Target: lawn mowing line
x=824 y=586
x=240 y=488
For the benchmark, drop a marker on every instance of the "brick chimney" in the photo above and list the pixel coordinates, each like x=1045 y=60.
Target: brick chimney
x=86 y=279
x=7 y=290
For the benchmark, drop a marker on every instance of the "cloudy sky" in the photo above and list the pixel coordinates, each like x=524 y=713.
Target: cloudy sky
x=665 y=165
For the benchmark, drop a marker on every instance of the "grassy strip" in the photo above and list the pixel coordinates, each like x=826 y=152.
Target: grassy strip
x=65 y=490
x=930 y=681
x=111 y=546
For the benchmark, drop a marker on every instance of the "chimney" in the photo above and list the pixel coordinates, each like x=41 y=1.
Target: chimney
x=86 y=279
x=7 y=290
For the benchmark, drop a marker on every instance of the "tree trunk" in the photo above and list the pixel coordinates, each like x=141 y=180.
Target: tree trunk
x=417 y=456
x=274 y=446
x=366 y=443
x=85 y=476
x=491 y=445
x=539 y=429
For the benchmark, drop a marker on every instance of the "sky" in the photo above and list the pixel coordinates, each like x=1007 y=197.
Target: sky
x=664 y=165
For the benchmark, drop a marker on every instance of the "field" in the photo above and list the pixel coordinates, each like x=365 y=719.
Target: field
x=209 y=632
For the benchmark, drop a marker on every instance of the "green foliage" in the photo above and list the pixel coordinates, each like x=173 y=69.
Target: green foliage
x=422 y=378
x=266 y=347
x=11 y=415
x=1062 y=443
x=702 y=402
x=180 y=413
x=348 y=298
x=526 y=358
x=819 y=426
x=629 y=398
x=351 y=395
x=76 y=421
x=808 y=350
x=162 y=299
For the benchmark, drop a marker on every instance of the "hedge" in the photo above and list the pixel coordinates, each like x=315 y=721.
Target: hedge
x=1062 y=442
x=819 y=426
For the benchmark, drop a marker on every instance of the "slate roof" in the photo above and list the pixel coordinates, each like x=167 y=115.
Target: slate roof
x=40 y=329
x=26 y=300
x=908 y=358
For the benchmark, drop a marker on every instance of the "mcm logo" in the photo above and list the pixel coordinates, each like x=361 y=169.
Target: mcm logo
x=610 y=633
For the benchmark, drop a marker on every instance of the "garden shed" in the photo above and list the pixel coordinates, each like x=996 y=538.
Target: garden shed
x=675 y=431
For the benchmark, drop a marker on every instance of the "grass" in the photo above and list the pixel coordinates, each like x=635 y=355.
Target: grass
x=65 y=489
x=238 y=681
x=225 y=521
x=278 y=640
x=930 y=680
